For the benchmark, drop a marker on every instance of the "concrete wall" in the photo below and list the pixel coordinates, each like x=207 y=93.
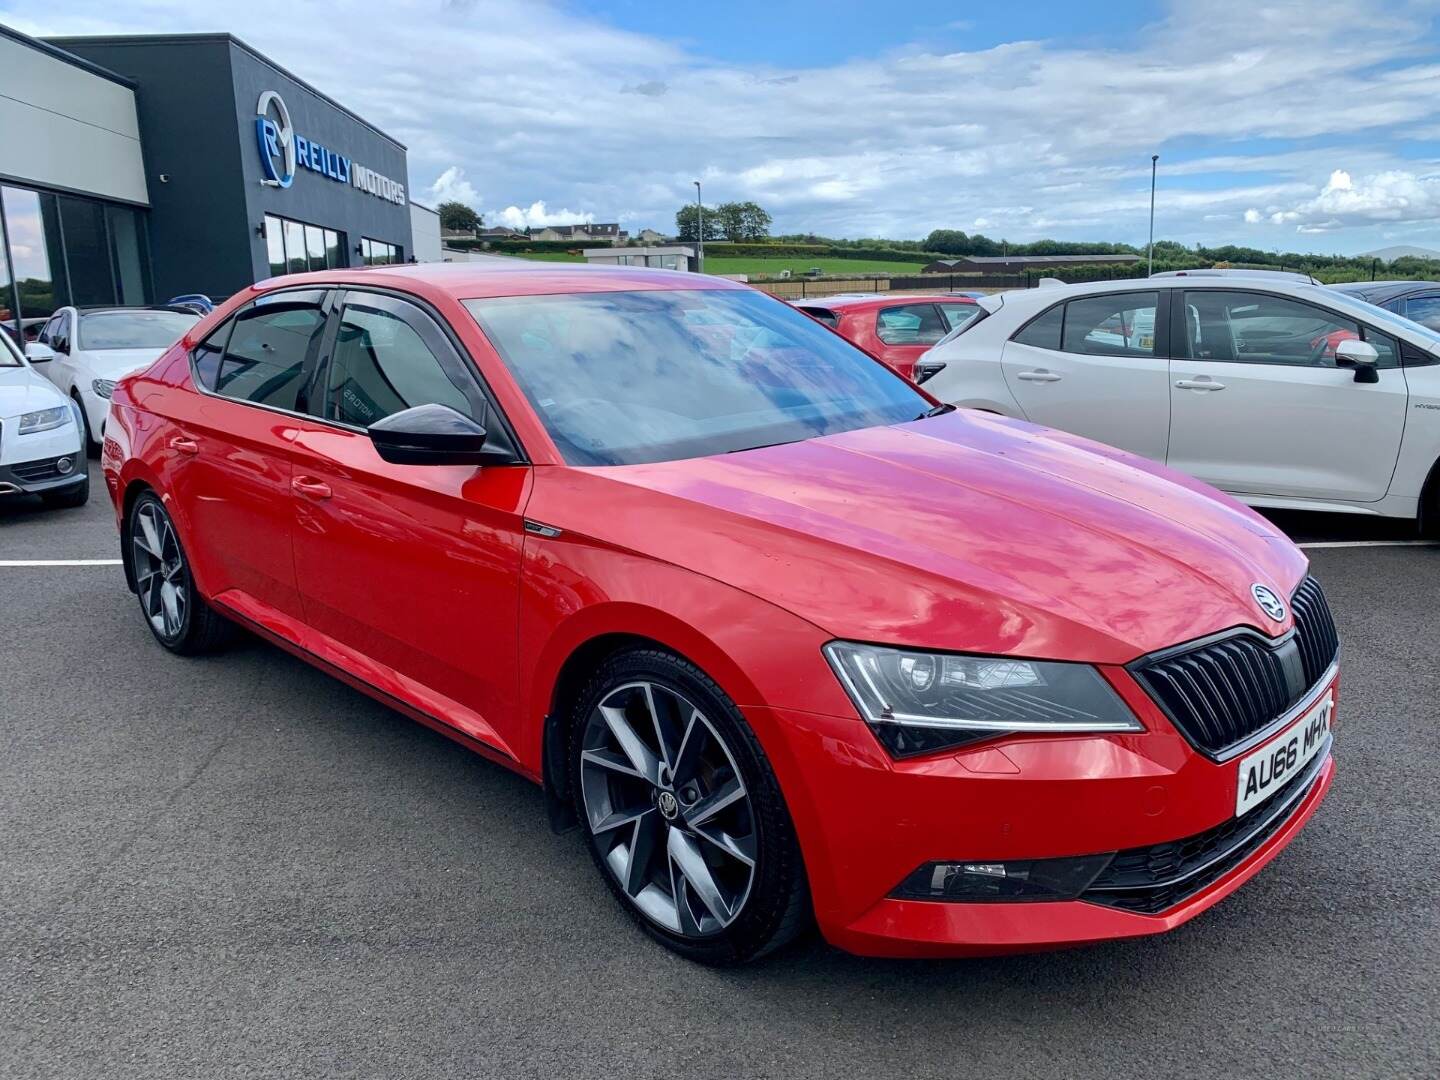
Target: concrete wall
x=67 y=128
x=425 y=234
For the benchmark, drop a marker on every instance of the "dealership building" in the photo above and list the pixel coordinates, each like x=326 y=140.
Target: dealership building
x=137 y=169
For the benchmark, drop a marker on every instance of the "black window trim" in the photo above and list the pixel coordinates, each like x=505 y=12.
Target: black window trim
x=1304 y=302
x=318 y=361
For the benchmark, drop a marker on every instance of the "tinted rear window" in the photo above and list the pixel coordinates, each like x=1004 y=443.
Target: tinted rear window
x=1044 y=332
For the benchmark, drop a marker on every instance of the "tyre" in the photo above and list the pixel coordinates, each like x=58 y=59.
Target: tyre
x=92 y=447
x=72 y=496
x=174 y=610
x=682 y=812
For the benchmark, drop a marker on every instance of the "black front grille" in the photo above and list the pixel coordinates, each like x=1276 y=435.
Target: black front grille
x=1150 y=880
x=46 y=469
x=1222 y=691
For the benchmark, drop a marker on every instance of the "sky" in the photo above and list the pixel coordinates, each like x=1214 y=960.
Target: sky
x=1290 y=125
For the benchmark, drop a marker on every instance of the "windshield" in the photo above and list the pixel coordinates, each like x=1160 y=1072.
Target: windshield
x=1363 y=309
x=630 y=377
x=134 y=329
x=9 y=351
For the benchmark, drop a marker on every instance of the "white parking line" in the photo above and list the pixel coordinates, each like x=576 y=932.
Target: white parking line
x=1370 y=543
x=59 y=562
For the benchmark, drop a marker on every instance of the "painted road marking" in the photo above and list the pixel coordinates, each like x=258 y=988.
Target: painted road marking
x=59 y=562
x=1369 y=543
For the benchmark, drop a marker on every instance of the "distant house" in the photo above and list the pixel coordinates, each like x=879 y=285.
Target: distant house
x=609 y=233
x=650 y=236
x=1012 y=264
x=499 y=232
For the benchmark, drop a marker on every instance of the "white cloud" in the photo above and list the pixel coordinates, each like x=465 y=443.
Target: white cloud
x=537 y=216
x=538 y=105
x=451 y=186
x=1395 y=196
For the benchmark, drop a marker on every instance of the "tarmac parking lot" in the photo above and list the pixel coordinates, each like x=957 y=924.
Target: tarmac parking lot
x=237 y=866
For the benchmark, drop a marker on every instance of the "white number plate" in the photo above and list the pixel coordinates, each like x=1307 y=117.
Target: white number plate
x=1266 y=771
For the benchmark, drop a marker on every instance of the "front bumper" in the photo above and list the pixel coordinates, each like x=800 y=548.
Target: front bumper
x=28 y=463
x=866 y=821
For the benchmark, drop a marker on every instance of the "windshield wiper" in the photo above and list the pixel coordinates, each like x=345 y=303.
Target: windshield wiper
x=938 y=410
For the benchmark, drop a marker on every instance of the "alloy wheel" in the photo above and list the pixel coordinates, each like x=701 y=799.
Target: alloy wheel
x=667 y=809
x=160 y=579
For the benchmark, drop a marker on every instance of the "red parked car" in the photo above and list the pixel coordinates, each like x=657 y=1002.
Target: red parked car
x=787 y=639
x=897 y=329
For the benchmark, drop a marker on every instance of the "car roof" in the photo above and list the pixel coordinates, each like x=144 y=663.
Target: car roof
x=849 y=300
x=1378 y=292
x=505 y=277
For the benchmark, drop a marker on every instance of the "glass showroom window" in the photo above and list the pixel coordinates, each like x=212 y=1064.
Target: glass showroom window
x=292 y=247
x=378 y=253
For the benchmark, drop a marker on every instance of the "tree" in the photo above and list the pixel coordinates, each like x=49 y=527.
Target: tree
x=457 y=217
x=948 y=242
x=754 y=222
x=686 y=228
x=730 y=219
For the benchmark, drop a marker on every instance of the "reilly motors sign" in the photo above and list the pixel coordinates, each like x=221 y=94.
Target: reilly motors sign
x=282 y=151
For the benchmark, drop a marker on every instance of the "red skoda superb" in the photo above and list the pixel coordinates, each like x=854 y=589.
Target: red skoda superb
x=787 y=640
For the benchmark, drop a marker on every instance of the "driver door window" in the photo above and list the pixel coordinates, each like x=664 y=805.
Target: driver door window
x=1236 y=327
x=382 y=365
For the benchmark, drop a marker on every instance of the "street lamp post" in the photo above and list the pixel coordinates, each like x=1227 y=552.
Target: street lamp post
x=1150 y=248
x=699 y=230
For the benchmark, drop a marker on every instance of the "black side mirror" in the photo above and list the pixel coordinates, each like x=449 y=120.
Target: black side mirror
x=1360 y=355
x=437 y=435
x=925 y=370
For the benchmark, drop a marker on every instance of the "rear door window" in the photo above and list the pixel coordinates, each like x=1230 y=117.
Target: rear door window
x=1425 y=310
x=910 y=324
x=268 y=347
x=1120 y=324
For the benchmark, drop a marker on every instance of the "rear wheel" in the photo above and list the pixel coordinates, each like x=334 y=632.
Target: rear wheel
x=682 y=813
x=175 y=612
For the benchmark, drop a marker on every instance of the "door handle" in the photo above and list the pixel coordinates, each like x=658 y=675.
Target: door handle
x=1038 y=376
x=310 y=487
x=183 y=445
x=1199 y=384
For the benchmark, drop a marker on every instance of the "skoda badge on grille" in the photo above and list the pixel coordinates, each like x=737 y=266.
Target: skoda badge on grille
x=1269 y=603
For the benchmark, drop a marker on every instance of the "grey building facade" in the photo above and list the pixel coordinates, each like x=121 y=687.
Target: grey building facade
x=225 y=168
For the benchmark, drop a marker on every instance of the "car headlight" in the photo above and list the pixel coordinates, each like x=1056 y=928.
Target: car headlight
x=103 y=387
x=44 y=420
x=917 y=702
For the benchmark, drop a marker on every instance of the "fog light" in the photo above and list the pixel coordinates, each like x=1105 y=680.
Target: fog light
x=64 y=465
x=1029 y=879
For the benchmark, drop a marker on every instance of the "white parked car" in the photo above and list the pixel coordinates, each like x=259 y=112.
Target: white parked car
x=40 y=435
x=84 y=351
x=1284 y=394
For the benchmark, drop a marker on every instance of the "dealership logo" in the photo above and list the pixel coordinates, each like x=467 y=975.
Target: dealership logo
x=277 y=141
x=1269 y=603
x=282 y=151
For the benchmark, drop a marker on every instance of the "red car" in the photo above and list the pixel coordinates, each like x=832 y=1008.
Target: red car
x=788 y=640
x=895 y=328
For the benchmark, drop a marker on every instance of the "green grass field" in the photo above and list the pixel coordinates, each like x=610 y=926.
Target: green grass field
x=721 y=264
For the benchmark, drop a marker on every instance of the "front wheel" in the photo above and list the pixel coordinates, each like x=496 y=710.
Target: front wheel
x=92 y=446
x=177 y=615
x=682 y=812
